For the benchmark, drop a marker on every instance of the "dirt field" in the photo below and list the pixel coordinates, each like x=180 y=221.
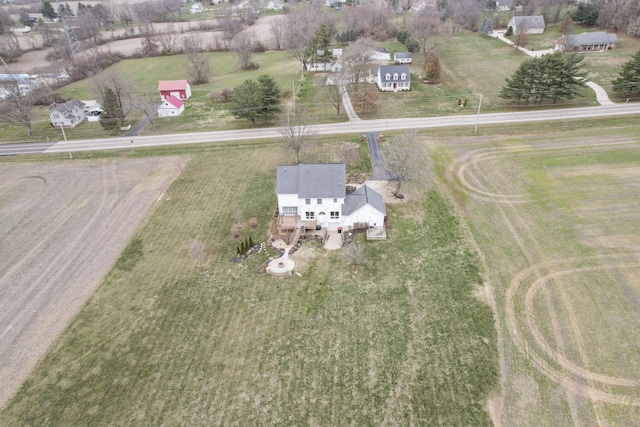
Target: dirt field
x=62 y=227
x=557 y=223
x=33 y=61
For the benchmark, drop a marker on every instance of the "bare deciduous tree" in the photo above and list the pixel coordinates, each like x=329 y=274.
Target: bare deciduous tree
x=355 y=255
x=426 y=30
x=357 y=61
x=199 y=64
x=243 y=46
x=366 y=97
x=332 y=93
x=295 y=130
x=521 y=36
x=277 y=27
x=147 y=104
x=168 y=40
x=400 y=157
x=18 y=106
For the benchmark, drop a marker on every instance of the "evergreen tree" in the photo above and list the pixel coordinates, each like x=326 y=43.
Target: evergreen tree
x=112 y=115
x=551 y=76
x=247 y=100
x=403 y=36
x=483 y=27
x=509 y=32
x=269 y=96
x=47 y=10
x=432 y=70
x=629 y=81
x=489 y=25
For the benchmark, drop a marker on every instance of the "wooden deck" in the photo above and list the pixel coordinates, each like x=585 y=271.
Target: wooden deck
x=291 y=222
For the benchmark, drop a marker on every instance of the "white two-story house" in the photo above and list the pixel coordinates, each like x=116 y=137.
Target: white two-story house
x=314 y=196
x=67 y=114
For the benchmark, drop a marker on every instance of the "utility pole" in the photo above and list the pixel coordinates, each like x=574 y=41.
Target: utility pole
x=64 y=135
x=478 y=115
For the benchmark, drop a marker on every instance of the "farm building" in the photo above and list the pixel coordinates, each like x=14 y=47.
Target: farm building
x=314 y=196
x=171 y=107
x=592 y=41
x=67 y=114
x=181 y=89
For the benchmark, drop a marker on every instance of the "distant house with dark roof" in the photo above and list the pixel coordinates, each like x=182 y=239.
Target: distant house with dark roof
x=392 y=78
x=314 y=196
x=181 y=89
x=403 y=57
x=532 y=24
x=592 y=41
x=67 y=114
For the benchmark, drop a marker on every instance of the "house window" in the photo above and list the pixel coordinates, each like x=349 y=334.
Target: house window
x=289 y=210
x=307 y=201
x=335 y=200
x=319 y=201
x=395 y=76
x=309 y=215
x=335 y=215
x=387 y=76
x=404 y=76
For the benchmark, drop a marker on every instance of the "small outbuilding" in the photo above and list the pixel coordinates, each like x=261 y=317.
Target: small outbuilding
x=197 y=8
x=171 y=107
x=181 y=89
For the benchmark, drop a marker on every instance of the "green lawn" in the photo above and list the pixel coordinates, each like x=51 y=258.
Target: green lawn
x=162 y=342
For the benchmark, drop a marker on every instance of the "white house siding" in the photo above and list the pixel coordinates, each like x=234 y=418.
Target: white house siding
x=367 y=214
x=289 y=200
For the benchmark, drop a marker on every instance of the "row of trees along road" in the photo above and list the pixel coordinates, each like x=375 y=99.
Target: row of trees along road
x=552 y=76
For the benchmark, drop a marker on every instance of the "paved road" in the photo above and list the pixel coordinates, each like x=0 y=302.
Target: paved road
x=359 y=126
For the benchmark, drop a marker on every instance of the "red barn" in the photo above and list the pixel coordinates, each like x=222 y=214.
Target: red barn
x=181 y=89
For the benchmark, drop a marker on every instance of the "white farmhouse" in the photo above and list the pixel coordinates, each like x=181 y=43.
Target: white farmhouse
x=171 y=107
x=314 y=196
x=392 y=78
x=67 y=114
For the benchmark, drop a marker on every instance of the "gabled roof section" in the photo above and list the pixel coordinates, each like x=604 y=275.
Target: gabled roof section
x=172 y=100
x=312 y=180
x=534 y=21
x=68 y=106
x=591 y=38
x=403 y=55
x=361 y=197
x=165 y=85
x=395 y=69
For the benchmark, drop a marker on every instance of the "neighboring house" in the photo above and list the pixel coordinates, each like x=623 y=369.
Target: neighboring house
x=380 y=54
x=181 y=89
x=274 y=5
x=505 y=5
x=392 y=78
x=593 y=41
x=171 y=107
x=92 y=110
x=402 y=57
x=197 y=8
x=66 y=114
x=532 y=24
x=421 y=5
x=334 y=65
x=314 y=196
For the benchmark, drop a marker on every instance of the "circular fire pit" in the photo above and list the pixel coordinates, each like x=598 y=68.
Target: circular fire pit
x=280 y=266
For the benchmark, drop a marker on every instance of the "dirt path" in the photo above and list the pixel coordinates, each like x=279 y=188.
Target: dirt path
x=62 y=227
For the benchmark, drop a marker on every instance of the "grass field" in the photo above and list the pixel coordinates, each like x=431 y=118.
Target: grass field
x=403 y=341
x=556 y=220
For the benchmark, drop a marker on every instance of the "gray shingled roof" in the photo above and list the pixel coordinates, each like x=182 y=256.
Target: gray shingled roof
x=68 y=106
x=393 y=69
x=361 y=197
x=535 y=21
x=403 y=55
x=319 y=180
x=591 y=38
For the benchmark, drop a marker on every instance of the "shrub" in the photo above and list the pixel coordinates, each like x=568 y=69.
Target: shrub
x=253 y=222
x=235 y=232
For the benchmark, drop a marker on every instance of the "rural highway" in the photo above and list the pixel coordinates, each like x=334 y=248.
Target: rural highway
x=356 y=126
